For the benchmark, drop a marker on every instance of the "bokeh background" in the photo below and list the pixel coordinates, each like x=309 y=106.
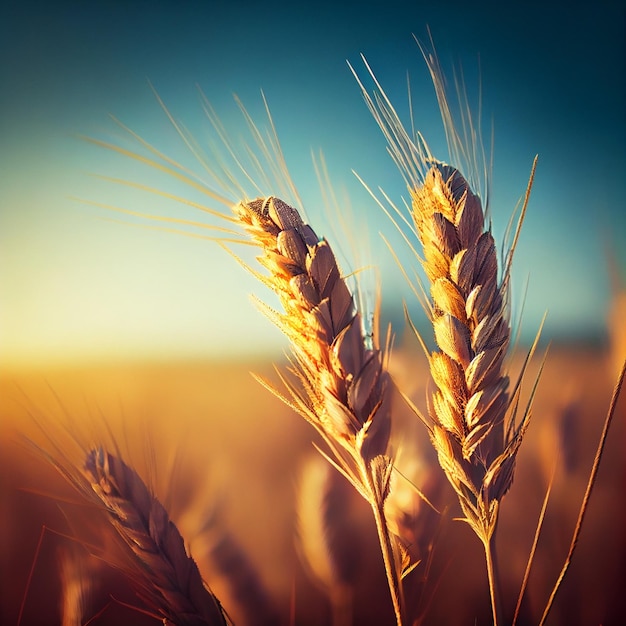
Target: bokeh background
x=76 y=285
x=114 y=332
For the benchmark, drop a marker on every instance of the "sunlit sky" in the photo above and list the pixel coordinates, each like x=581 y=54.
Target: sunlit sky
x=78 y=282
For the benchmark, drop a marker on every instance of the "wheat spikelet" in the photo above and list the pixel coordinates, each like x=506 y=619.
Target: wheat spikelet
x=168 y=580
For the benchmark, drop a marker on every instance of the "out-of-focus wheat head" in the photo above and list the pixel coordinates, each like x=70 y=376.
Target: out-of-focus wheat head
x=327 y=539
x=225 y=563
x=155 y=561
x=413 y=518
x=77 y=579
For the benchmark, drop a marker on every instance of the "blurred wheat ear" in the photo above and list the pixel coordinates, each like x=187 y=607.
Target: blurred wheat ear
x=244 y=586
x=326 y=538
x=77 y=583
x=165 y=576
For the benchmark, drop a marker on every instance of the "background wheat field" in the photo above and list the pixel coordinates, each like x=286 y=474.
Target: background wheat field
x=246 y=463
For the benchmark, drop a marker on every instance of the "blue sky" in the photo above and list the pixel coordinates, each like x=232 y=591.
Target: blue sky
x=75 y=284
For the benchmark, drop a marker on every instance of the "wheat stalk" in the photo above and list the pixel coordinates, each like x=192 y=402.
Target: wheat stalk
x=473 y=413
x=476 y=447
x=168 y=579
x=341 y=384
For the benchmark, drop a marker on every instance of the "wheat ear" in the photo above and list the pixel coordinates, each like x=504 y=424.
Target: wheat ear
x=475 y=446
x=326 y=537
x=342 y=385
x=474 y=424
x=169 y=579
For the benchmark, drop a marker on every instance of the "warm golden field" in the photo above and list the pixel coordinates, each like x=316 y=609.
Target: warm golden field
x=241 y=452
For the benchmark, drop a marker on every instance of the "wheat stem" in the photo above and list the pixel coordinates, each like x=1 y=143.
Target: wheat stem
x=341 y=384
x=590 y=484
x=472 y=410
x=492 y=573
x=384 y=538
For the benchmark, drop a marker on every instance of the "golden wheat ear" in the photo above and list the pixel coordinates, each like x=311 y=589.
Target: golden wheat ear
x=165 y=576
x=341 y=384
x=339 y=381
x=345 y=384
x=473 y=413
